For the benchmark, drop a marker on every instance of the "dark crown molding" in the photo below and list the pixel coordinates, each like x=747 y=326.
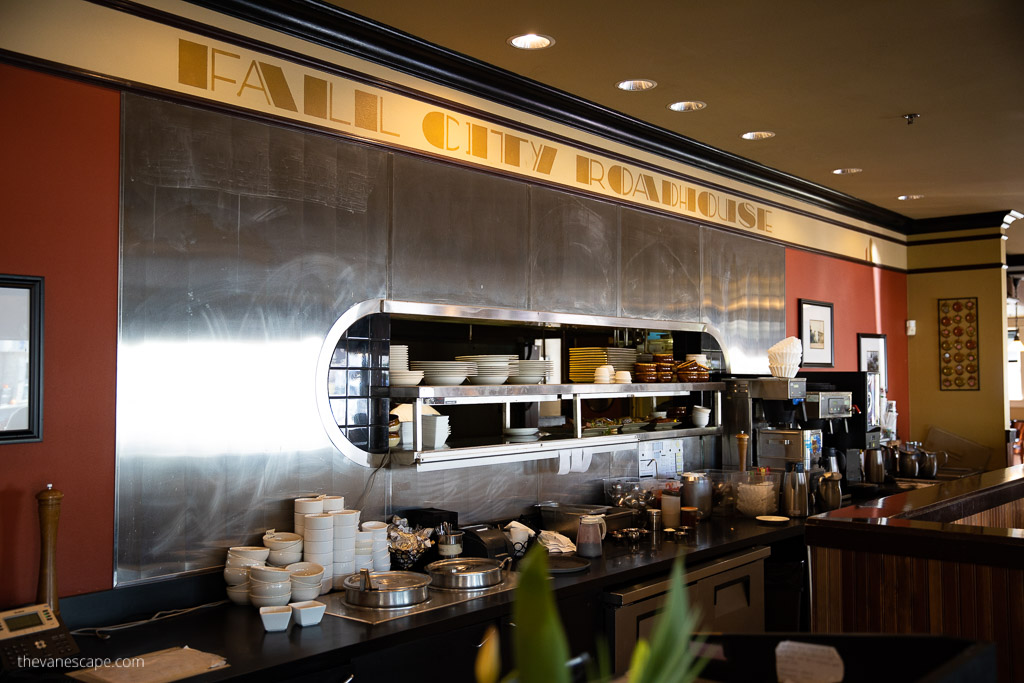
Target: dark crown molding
x=968 y=221
x=353 y=34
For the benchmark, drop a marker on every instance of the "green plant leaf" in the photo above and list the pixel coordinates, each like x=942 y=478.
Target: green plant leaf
x=540 y=645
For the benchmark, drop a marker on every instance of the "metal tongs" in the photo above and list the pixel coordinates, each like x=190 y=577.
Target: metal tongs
x=366 y=584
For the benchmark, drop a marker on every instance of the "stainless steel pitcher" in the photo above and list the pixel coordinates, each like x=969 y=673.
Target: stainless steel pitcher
x=794 y=490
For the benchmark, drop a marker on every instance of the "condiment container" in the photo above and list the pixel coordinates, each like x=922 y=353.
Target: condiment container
x=588 y=538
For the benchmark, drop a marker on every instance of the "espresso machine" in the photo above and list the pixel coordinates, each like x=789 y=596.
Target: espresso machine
x=766 y=408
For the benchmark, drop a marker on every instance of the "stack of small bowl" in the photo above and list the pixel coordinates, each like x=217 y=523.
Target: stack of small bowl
x=346 y=522
x=379 y=545
x=285 y=547
x=269 y=586
x=307 y=580
x=236 y=570
x=318 y=544
x=435 y=430
x=303 y=507
x=784 y=357
x=603 y=374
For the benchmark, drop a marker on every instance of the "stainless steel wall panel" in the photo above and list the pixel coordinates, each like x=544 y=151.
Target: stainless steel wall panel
x=743 y=295
x=660 y=272
x=574 y=249
x=458 y=236
x=241 y=245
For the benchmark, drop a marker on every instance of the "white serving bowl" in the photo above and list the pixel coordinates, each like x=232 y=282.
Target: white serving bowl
x=308 y=612
x=372 y=525
x=305 y=591
x=443 y=380
x=306 y=572
x=282 y=540
x=345 y=543
x=488 y=379
x=283 y=558
x=236 y=576
x=239 y=594
x=323 y=520
x=238 y=561
x=318 y=535
x=345 y=532
x=254 y=552
x=309 y=506
x=325 y=560
x=701 y=419
x=276 y=618
x=269 y=574
x=262 y=589
x=270 y=601
x=319 y=547
x=332 y=503
x=346 y=517
x=526 y=379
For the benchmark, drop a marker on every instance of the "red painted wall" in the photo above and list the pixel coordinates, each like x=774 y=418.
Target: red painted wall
x=59 y=198
x=866 y=300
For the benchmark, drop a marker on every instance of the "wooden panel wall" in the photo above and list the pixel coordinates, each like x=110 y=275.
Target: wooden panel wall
x=861 y=592
x=1007 y=516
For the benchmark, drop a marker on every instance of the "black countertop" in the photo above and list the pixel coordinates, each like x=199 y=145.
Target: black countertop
x=236 y=632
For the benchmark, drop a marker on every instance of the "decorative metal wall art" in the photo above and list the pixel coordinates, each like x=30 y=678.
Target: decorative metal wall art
x=959 y=364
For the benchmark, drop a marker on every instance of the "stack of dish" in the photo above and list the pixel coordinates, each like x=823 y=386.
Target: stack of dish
x=400 y=374
x=490 y=369
x=584 y=360
x=529 y=371
x=399 y=357
x=521 y=434
x=444 y=373
x=435 y=430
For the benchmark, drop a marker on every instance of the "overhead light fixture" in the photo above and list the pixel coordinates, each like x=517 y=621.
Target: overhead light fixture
x=688 y=105
x=847 y=171
x=636 y=84
x=531 y=41
x=758 y=135
x=909 y=197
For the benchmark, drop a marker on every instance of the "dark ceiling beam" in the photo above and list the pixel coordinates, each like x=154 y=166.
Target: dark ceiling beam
x=353 y=34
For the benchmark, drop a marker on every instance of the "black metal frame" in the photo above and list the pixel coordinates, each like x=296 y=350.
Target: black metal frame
x=861 y=336
x=832 y=333
x=34 y=431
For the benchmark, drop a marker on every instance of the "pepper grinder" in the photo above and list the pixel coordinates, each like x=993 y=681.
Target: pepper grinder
x=49 y=512
x=742 y=443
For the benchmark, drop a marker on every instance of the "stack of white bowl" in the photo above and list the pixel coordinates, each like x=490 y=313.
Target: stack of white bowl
x=236 y=570
x=346 y=523
x=333 y=503
x=490 y=368
x=436 y=430
x=364 y=550
x=378 y=545
x=784 y=357
x=285 y=547
x=444 y=373
x=307 y=580
x=270 y=586
x=303 y=507
x=318 y=544
x=603 y=374
x=529 y=371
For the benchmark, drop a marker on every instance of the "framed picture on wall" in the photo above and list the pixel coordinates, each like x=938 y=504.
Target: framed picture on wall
x=21 y=358
x=816 y=334
x=872 y=357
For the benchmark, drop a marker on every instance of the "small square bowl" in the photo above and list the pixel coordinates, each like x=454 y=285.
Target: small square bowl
x=276 y=618
x=308 y=612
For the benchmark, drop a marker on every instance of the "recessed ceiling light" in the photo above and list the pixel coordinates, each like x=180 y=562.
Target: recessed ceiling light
x=909 y=197
x=637 y=84
x=758 y=135
x=531 y=41
x=688 y=105
x=847 y=171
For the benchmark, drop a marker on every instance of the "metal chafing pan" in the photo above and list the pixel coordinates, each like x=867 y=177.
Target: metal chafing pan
x=464 y=573
x=386 y=589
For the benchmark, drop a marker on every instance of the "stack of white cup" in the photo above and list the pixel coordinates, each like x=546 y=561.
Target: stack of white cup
x=306 y=506
x=381 y=558
x=318 y=545
x=346 y=522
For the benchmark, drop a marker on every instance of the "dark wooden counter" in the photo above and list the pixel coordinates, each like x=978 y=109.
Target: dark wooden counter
x=946 y=559
x=338 y=645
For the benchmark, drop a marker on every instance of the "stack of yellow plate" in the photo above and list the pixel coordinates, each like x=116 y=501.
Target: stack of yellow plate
x=583 y=360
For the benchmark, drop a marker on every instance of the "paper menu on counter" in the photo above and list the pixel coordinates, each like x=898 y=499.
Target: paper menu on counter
x=807 y=663
x=162 y=666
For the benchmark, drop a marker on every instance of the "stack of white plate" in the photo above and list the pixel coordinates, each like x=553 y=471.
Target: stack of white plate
x=405 y=378
x=521 y=434
x=585 y=359
x=435 y=430
x=529 y=371
x=490 y=369
x=444 y=373
x=399 y=357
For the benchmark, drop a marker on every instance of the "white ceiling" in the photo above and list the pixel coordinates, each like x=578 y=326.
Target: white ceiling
x=832 y=79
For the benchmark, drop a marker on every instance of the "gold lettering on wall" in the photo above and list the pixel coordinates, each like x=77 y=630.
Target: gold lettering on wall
x=191 y=63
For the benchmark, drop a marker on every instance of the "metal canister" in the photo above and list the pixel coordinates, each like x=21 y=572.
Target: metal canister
x=695 y=492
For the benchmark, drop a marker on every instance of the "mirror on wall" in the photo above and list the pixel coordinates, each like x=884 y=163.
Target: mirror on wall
x=21 y=358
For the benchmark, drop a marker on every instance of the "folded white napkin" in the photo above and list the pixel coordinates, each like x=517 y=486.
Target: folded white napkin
x=556 y=542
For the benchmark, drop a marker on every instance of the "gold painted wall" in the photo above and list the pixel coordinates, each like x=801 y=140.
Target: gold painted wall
x=982 y=415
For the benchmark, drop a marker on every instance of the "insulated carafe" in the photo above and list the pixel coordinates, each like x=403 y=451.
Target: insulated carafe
x=794 y=490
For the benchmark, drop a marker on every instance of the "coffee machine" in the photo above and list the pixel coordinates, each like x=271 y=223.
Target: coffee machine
x=848 y=430
x=766 y=409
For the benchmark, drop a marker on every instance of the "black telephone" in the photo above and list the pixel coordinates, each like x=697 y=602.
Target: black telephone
x=31 y=634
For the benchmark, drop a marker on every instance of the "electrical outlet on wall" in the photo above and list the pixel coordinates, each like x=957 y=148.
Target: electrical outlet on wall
x=911 y=328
